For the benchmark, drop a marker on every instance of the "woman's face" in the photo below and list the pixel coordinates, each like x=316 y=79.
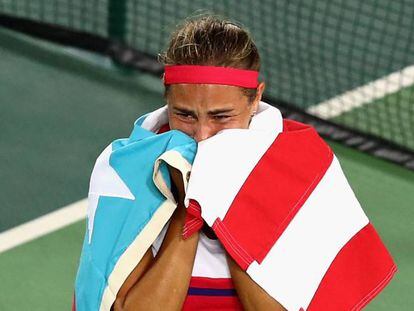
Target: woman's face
x=202 y=110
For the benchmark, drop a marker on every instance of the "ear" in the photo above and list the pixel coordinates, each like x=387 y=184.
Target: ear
x=259 y=93
x=260 y=89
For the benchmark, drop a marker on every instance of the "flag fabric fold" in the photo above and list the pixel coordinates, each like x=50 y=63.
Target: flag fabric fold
x=274 y=194
x=129 y=202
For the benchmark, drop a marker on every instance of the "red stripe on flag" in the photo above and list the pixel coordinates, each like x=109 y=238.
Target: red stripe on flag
x=359 y=272
x=235 y=250
x=193 y=221
x=273 y=193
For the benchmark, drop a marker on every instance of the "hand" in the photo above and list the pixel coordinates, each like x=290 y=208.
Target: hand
x=177 y=188
x=188 y=218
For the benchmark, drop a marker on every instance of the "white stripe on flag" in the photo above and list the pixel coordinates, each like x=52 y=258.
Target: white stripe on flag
x=295 y=265
x=224 y=161
x=222 y=164
x=156 y=119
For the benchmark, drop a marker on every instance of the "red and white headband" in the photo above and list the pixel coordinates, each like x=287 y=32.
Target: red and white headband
x=195 y=74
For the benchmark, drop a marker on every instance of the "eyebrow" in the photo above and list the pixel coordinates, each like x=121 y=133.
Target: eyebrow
x=211 y=112
x=220 y=111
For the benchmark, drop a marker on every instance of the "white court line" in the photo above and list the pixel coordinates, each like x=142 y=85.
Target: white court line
x=43 y=225
x=364 y=94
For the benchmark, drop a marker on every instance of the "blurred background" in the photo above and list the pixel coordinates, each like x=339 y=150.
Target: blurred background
x=75 y=75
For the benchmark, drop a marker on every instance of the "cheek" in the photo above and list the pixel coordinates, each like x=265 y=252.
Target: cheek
x=241 y=122
x=185 y=127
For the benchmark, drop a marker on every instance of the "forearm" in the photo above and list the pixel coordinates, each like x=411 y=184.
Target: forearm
x=165 y=284
x=251 y=295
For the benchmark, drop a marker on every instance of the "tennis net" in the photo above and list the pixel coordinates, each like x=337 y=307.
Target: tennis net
x=349 y=62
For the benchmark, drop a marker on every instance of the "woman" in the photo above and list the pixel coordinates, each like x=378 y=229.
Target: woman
x=200 y=111
x=225 y=247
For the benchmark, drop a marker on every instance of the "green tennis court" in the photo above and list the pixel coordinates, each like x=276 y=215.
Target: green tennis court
x=60 y=107
x=397 y=106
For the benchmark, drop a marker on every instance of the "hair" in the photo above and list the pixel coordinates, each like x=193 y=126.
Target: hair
x=212 y=41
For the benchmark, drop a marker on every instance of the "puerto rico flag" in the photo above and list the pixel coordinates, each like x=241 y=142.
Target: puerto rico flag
x=277 y=199
x=274 y=194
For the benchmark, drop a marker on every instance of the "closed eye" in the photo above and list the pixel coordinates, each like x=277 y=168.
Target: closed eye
x=221 y=117
x=184 y=115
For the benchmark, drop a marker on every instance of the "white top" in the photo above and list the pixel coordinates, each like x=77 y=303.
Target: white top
x=210 y=260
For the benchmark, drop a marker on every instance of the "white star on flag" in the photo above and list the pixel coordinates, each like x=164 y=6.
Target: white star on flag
x=104 y=182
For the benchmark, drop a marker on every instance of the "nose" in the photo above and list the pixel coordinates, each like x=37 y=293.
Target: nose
x=203 y=131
